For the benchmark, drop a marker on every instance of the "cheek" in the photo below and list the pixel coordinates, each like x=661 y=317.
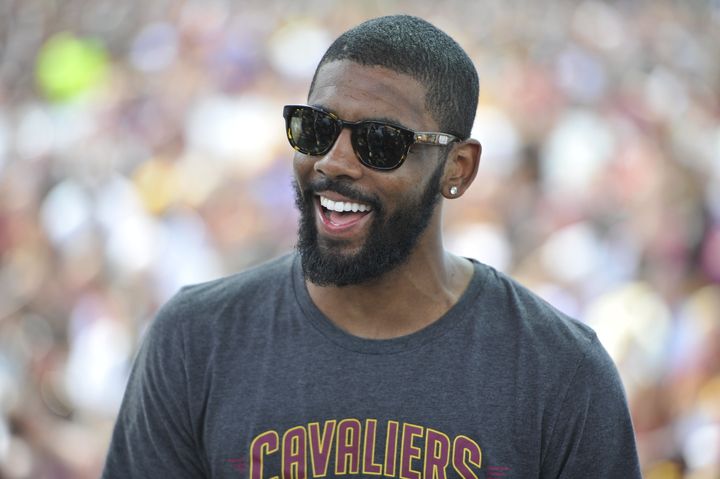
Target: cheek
x=399 y=194
x=408 y=184
x=302 y=166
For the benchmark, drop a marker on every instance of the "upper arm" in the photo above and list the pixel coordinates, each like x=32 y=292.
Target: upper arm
x=592 y=436
x=153 y=435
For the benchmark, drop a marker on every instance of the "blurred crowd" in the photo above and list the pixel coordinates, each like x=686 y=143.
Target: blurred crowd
x=142 y=148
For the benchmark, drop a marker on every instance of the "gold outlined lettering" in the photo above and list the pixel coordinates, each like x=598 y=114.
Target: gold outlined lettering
x=437 y=454
x=465 y=451
x=294 y=458
x=408 y=451
x=391 y=448
x=347 y=447
x=320 y=446
x=369 y=464
x=263 y=444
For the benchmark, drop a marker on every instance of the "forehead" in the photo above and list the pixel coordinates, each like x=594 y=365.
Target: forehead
x=358 y=92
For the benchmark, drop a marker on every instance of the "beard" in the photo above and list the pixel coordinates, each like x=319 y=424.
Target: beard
x=389 y=243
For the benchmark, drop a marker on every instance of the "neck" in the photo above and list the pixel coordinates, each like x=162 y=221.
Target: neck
x=401 y=301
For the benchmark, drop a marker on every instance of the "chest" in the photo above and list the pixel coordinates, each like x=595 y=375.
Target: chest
x=322 y=412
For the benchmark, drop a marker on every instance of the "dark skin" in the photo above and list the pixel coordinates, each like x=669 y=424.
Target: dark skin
x=417 y=293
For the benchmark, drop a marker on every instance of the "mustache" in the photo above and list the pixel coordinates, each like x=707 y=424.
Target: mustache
x=340 y=187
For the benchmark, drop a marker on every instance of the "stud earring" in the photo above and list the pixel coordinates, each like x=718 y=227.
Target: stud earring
x=453 y=190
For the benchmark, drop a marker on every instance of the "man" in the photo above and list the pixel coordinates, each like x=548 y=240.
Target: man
x=373 y=351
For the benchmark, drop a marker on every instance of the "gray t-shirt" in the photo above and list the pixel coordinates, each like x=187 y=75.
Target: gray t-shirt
x=245 y=377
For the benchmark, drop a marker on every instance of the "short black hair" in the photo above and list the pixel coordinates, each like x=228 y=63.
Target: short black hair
x=415 y=47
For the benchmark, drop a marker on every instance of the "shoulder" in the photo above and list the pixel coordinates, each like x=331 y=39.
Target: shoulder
x=251 y=280
x=537 y=325
x=247 y=289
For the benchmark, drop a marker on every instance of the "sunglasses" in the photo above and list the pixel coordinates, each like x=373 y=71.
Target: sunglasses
x=377 y=144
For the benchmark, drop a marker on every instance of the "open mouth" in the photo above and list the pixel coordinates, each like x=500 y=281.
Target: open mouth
x=342 y=214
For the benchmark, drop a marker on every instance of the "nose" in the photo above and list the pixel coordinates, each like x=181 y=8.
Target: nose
x=340 y=161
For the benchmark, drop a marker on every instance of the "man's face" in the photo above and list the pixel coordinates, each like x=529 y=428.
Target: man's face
x=393 y=207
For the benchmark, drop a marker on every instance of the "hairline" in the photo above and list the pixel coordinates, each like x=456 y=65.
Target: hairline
x=425 y=87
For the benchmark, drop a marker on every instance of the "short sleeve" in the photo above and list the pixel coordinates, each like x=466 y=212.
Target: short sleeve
x=153 y=435
x=592 y=436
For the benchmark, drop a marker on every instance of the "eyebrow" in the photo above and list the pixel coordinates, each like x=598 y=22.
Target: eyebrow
x=381 y=119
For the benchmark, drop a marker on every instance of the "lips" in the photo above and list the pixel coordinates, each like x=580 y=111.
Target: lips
x=341 y=216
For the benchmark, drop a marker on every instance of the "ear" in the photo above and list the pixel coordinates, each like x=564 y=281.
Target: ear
x=461 y=168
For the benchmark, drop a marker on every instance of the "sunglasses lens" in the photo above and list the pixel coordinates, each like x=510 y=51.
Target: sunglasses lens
x=380 y=146
x=311 y=131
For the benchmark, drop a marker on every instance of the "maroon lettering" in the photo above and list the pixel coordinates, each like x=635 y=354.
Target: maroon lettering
x=409 y=451
x=347 y=454
x=466 y=451
x=320 y=446
x=293 y=454
x=391 y=448
x=437 y=455
x=265 y=443
x=369 y=465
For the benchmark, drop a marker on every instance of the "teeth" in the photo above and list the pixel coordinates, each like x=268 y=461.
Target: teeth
x=341 y=206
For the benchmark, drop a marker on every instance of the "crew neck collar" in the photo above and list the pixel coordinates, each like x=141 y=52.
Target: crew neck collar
x=400 y=344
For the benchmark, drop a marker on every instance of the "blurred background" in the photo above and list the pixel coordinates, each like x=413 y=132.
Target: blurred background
x=142 y=148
